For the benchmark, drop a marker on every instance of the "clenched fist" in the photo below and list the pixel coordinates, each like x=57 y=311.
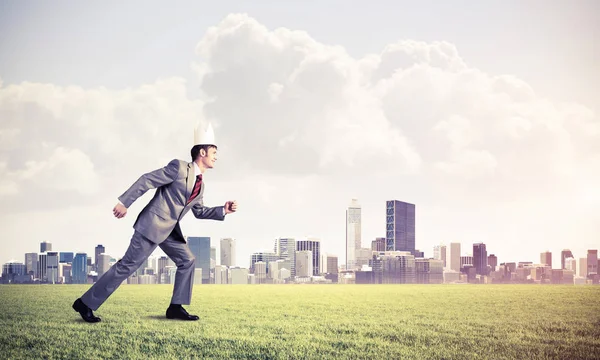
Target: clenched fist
x=230 y=207
x=119 y=210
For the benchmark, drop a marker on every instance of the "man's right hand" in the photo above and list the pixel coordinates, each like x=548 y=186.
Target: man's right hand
x=119 y=211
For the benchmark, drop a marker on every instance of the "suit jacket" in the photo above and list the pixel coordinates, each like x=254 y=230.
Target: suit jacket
x=174 y=184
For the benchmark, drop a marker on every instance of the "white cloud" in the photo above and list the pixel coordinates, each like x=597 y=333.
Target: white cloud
x=77 y=139
x=65 y=169
x=415 y=111
x=458 y=131
x=315 y=111
x=303 y=127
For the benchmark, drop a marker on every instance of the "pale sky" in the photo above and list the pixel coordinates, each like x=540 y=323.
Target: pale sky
x=484 y=115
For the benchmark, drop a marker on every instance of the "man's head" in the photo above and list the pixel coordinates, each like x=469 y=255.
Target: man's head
x=204 y=155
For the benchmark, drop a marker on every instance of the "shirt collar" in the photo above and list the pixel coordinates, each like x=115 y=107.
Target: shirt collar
x=196 y=169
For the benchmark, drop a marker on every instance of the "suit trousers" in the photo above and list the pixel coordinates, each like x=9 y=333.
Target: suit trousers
x=139 y=250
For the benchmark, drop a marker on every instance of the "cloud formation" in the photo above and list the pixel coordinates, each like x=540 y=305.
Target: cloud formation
x=307 y=117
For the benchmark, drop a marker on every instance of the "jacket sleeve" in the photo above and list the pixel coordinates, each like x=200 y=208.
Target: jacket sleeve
x=214 y=213
x=151 y=180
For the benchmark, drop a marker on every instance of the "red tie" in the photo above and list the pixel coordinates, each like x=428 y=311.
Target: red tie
x=196 y=188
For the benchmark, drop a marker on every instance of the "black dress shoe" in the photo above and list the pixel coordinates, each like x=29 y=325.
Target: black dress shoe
x=178 y=312
x=85 y=312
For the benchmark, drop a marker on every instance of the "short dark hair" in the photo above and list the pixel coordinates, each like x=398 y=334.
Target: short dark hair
x=196 y=150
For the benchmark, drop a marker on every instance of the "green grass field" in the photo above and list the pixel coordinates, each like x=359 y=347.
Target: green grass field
x=307 y=322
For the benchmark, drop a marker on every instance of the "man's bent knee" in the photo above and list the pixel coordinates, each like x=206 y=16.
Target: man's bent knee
x=188 y=262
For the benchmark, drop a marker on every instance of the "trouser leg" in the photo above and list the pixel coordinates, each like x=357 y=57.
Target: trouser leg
x=183 y=257
x=139 y=250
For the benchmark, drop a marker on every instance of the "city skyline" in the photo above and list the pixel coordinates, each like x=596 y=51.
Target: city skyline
x=491 y=133
x=206 y=259
x=381 y=267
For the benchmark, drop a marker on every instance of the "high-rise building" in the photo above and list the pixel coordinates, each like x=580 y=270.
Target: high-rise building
x=394 y=267
x=592 y=262
x=571 y=264
x=314 y=246
x=583 y=268
x=363 y=257
x=480 y=258
x=213 y=263
x=284 y=274
x=510 y=267
x=264 y=256
x=285 y=249
x=228 y=252
x=466 y=261
x=260 y=272
x=45 y=246
x=332 y=264
x=453 y=257
x=52 y=267
x=281 y=264
x=274 y=271
x=152 y=264
x=65 y=270
x=353 y=233
x=197 y=276
x=364 y=276
x=323 y=263
x=12 y=270
x=100 y=249
x=220 y=274
x=172 y=271
x=429 y=271
x=546 y=258
x=400 y=226
x=104 y=264
x=522 y=264
x=146 y=279
x=31 y=260
x=79 y=268
x=565 y=254
x=200 y=247
x=439 y=253
x=163 y=262
x=378 y=244
x=65 y=257
x=492 y=262
x=138 y=272
x=332 y=268
x=238 y=275
x=42 y=270
x=304 y=263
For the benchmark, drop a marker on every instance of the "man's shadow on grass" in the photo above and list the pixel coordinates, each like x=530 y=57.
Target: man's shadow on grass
x=151 y=317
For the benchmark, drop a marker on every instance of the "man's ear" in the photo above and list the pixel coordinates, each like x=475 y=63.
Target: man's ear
x=202 y=153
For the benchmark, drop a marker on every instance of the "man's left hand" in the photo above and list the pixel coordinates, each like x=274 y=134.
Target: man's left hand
x=230 y=207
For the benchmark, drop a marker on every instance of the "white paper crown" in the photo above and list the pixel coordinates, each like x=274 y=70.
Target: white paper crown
x=204 y=137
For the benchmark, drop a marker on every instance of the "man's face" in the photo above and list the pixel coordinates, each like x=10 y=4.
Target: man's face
x=209 y=159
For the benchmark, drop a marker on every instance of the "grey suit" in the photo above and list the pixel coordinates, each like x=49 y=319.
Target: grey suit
x=158 y=225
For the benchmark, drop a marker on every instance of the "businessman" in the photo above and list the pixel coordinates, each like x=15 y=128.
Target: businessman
x=179 y=189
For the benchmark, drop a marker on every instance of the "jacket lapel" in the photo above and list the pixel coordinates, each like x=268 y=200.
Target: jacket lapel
x=191 y=180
